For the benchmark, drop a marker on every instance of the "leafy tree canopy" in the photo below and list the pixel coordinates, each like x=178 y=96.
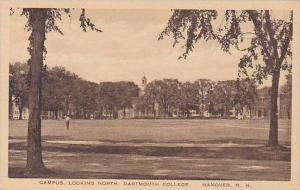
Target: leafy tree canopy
x=267 y=41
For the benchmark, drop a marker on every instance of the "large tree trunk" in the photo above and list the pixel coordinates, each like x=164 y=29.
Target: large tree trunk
x=37 y=18
x=273 y=131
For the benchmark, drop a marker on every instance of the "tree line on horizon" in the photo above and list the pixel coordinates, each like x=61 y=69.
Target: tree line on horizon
x=63 y=91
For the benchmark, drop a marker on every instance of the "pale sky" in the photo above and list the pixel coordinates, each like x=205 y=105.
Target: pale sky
x=127 y=48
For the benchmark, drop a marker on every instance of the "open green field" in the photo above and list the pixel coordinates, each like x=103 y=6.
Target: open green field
x=155 y=130
x=160 y=149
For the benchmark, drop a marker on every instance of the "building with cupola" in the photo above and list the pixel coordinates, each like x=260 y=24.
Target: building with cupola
x=134 y=111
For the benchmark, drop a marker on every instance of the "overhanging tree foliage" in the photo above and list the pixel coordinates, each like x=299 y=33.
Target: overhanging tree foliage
x=39 y=22
x=267 y=53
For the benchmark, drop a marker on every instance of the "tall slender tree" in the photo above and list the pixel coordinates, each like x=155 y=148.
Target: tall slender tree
x=188 y=97
x=204 y=86
x=268 y=50
x=39 y=22
x=165 y=93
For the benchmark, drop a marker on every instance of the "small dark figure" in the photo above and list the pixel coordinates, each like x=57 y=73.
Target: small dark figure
x=67 y=118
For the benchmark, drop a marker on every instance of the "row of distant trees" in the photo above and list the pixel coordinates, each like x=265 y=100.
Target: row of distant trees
x=64 y=91
x=201 y=95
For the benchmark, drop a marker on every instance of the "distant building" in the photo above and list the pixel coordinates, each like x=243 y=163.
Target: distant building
x=262 y=107
x=52 y=115
x=206 y=114
x=16 y=112
x=285 y=105
x=127 y=113
x=133 y=111
x=25 y=113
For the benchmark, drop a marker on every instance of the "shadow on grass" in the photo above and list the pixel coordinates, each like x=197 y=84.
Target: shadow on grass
x=279 y=153
x=246 y=153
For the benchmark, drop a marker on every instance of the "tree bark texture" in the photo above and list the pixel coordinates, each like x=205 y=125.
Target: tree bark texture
x=35 y=164
x=273 y=131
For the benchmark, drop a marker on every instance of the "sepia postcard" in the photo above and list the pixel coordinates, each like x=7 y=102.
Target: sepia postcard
x=149 y=95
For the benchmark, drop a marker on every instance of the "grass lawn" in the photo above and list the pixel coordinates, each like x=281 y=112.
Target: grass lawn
x=159 y=149
x=155 y=130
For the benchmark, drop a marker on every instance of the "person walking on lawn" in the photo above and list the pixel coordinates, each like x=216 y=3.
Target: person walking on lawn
x=67 y=118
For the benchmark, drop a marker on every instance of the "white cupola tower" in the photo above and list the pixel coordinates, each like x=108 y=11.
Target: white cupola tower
x=143 y=85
